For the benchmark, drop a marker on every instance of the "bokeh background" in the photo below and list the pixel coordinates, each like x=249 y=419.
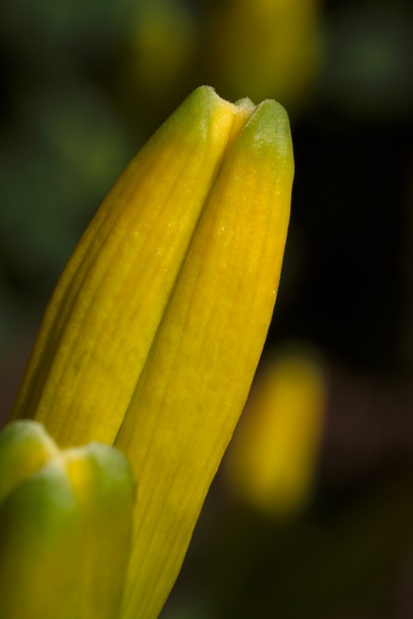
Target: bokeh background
x=82 y=86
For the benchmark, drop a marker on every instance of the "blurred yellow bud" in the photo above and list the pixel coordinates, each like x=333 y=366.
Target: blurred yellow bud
x=266 y=47
x=272 y=459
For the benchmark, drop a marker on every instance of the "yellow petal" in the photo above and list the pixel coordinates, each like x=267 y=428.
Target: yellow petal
x=108 y=304
x=199 y=369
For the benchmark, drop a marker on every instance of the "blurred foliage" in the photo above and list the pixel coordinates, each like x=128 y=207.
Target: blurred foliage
x=81 y=87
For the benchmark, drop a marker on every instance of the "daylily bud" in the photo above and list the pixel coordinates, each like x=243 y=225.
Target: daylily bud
x=154 y=332
x=64 y=527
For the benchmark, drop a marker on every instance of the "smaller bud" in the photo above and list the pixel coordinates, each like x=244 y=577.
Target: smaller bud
x=65 y=526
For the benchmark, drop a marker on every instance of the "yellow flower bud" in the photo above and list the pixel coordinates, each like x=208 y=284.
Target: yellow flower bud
x=154 y=332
